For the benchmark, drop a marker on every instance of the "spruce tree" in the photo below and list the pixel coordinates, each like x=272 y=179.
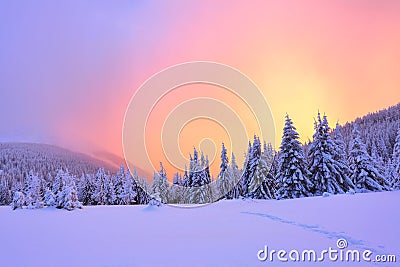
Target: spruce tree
x=328 y=173
x=235 y=175
x=225 y=183
x=119 y=186
x=292 y=174
x=262 y=185
x=99 y=188
x=160 y=185
x=199 y=190
x=365 y=175
x=252 y=160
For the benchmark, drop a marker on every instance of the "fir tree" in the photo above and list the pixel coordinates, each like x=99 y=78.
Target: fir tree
x=109 y=192
x=87 y=189
x=160 y=185
x=99 y=188
x=177 y=190
x=119 y=186
x=328 y=173
x=199 y=176
x=364 y=174
x=292 y=174
x=262 y=184
x=129 y=194
x=235 y=175
x=225 y=182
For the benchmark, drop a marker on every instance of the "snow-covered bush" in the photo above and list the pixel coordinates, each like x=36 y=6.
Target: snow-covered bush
x=155 y=200
x=18 y=200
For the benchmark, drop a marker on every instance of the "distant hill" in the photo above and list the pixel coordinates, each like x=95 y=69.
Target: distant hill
x=378 y=130
x=18 y=158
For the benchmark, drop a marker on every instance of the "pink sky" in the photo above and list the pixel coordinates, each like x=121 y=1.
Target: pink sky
x=69 y=70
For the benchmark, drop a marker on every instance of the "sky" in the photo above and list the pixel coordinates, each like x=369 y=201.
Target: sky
x=68 y=69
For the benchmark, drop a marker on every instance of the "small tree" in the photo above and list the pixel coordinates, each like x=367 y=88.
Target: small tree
x=18 y=200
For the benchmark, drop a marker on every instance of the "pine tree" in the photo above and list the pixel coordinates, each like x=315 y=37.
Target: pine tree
x=292 y=174
x=327 y=173
x=119 y=186
x=365 y=175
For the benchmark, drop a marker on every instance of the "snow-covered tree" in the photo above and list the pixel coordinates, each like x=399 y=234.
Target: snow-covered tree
x=365 y=175
x=33 y=191
x=18 y=200
x=177 y=190
x=262 y=183
x=252 y=160
x=199 y=190
x=292 y=174
x=225 y=183
x=143 y=187
x=328 y=172
x=99 y=187
x=86 y=189
x=58 y=184
x=129 y=194
x=109 y=191
x=49 y=198
x=155 y=200
x=234 y=174
x=69 y=196
x=160 y=185
x=120 y=179
x=396 y=162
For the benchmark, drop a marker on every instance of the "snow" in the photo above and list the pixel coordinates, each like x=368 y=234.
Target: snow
x=226 y=233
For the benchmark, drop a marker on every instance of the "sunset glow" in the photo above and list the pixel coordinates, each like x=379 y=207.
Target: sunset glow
x=339 y=57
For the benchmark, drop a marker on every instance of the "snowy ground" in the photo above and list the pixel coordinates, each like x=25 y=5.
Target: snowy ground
x=227 y=233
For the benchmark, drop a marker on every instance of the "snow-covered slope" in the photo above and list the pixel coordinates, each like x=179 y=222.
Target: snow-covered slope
x=18 y=158
x=227 y=233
